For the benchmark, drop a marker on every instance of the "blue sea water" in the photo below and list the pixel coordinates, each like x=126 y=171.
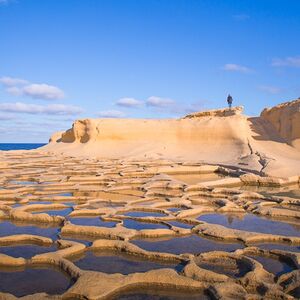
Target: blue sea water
x=19 y=146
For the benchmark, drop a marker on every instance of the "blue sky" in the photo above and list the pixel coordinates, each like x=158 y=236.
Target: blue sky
x=61 y=60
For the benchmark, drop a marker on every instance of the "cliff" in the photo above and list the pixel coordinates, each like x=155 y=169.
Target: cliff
x=285 y=118
x=218 y=136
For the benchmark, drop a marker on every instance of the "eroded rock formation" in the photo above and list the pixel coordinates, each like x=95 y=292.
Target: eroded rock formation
x=268 y=144
x=285 y=118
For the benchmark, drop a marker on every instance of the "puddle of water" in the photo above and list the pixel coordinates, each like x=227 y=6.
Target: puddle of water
x=70 y=203
x=272 y=265
x=196 y=178
x=160 y=294
x=174 y=209
x=64 y=194
x=143 y=214
x=9 y=228
x=23 y=182
x=26 y=251
x=235 y=269
x=60 y=212
x=79 y=240
x=119 y=263
x=252 y=223
x=132 y=224
x=40 y=202
x=91 y=221
x=188 y=244
x=21 y=282
x=283 y=247
x=180 y=224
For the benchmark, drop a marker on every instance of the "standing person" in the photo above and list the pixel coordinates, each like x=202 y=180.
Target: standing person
x=229 y=101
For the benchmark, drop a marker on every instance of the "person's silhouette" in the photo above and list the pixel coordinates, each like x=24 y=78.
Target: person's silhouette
x=229 y=101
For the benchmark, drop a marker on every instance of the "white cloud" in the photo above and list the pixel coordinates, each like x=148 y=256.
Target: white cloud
x=270 y=89
x=111 y=114
x=159 y=102
x=236 y=68
x=10 y=81
x=52 y=109
x=43 y=91
x=287 y=62
x=241 y=17
x=129 y=102
x=19 y=87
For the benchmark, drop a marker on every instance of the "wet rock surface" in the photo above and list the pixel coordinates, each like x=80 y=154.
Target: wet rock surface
x=74 y=228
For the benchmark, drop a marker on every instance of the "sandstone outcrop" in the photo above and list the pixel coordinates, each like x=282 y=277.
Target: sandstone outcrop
x=268 y=144
x=285 y=118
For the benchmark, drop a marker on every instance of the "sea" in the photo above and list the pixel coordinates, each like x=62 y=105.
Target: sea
x=19 y=146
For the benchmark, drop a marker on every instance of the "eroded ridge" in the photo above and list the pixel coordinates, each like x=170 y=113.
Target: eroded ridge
x=202 y=230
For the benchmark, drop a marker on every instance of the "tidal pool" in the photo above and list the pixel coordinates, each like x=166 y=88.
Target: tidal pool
x=40 y=202
x=143 y=214
x=112 y=262
x=175 y=209
x=235 y=270
x=55 y=212
x=26 y=251
x=69 y=203
x=252 y=223
x=63 y=194
x=181 y=224
x=74 y=238
x=10 y=228
x=275 y=266
x=23 y=182
x=187 y=244
x=31 y=202
x=91 y=221
x=284 y=247
x=132 y=224
x=21 y=282
x=197 y=178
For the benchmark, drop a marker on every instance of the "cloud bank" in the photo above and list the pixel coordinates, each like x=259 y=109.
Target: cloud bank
x=22 y=87
x=287 y=62
x=52 y=109
x=236 y=68
x=155 y=101
x=129 y=102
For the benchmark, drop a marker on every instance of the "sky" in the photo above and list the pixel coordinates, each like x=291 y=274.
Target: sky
x=62 y=60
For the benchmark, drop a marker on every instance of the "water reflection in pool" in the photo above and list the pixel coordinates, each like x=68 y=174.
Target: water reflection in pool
x=249 y=222
x=187 y=244
x=11 y=228
x=21 y=282
x=111 y=262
